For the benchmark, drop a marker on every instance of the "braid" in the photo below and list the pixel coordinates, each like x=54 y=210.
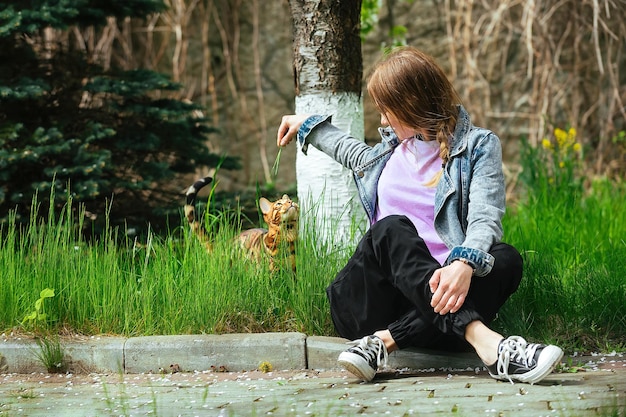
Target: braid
x=442 y=138
x=443 y=133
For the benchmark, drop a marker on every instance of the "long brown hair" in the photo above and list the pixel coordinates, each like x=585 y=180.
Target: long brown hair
x=409 y=84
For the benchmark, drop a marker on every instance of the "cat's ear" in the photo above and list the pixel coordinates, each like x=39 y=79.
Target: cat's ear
x=265 y=205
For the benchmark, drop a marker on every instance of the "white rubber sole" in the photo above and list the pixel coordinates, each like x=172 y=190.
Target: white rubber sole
x=549 y=358
x=356 y=365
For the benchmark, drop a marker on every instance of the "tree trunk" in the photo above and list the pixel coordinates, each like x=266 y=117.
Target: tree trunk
x=328 y=70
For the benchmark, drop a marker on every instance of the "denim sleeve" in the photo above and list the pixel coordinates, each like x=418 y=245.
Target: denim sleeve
x=307 y=126
x=482 y=262
x=486 y=205
x=487 y=195
x=318 y=131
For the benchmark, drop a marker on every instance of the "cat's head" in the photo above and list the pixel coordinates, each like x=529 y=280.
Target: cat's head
x=283 y=213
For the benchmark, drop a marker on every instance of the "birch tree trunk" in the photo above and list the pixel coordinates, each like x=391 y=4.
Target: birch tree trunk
x=328 y=71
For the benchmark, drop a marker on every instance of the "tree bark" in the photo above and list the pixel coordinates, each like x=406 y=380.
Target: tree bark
x=328 y=71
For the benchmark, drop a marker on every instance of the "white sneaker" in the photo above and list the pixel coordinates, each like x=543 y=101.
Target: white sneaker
x=524 y=362
x=364 y=357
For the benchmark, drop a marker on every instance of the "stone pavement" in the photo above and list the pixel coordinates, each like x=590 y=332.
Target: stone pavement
x=217 y=375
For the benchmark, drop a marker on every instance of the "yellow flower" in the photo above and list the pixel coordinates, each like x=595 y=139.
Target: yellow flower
x=546 y=143
x=576 y=147
x=571 y=137
x=561 y=136
x=571 y=134
x=561 y=164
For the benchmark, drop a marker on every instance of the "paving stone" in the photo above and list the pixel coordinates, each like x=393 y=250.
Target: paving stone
x=600 y=392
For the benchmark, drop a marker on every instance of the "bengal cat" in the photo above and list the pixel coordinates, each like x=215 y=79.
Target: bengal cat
x=281 y=217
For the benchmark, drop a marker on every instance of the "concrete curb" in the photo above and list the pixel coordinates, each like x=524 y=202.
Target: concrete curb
x=228 y=352
x=232 y=352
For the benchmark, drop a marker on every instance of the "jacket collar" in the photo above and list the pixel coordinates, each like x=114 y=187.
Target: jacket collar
x=389 y=136
x=458 y=142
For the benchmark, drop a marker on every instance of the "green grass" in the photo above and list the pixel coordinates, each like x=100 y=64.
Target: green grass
x=574 y=286
x=167 y=285
x=51 y=355
x=572 y=293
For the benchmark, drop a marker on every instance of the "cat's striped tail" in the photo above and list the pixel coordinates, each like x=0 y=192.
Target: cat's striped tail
x=196 y=226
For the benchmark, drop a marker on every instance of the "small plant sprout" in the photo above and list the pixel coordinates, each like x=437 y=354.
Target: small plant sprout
x=265 y=367
x=38 y=314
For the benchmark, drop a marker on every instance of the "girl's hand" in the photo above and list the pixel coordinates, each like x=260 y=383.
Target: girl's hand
x=450 y=286
x=288 y=128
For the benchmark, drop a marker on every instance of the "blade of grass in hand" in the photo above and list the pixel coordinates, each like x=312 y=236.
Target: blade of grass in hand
x=276 y=162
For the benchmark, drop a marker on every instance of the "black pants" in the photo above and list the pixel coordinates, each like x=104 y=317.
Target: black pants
x=385 y=286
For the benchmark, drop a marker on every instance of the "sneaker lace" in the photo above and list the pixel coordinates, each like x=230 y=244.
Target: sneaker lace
x=515 y=349
x=373 y=348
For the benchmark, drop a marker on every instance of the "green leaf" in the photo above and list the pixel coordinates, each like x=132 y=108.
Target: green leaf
x=30 y=317
x=46 y=293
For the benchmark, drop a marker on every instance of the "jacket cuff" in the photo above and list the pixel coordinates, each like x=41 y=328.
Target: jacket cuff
x=307 y=126
x=480 y=261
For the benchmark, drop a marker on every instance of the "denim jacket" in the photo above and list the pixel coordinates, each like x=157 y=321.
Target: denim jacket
x=470 y=196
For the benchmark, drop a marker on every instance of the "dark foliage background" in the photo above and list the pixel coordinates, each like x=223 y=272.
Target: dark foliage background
x=111 y=139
